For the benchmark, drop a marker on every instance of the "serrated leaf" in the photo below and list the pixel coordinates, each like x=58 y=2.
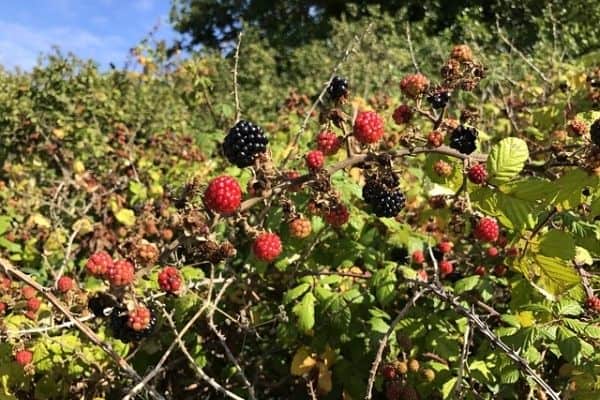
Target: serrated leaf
x=569 y=188
x=466 y=284
x=305 y=312
x=555 y=243
x=507 y=159
x=512 y=212
x=384 y=281
x=295 y=292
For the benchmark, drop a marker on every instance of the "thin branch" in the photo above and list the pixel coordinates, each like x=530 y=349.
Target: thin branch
x=520 y=53
x=236 y=94
x=463 y=362
x=199 y=371
x=120 y=361
x=410 y=48
x=44 y=329
x=384 y=340
x=67 y=255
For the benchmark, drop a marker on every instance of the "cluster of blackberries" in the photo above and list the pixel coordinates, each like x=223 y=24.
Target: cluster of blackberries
x=464 y=139
x=244 y=142
x=126 y=326
x=439 y=99
x=385 y=201
x=338 y=88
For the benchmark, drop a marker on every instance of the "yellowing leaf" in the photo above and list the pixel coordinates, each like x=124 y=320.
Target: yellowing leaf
x=59 y=133
x=324 y=383
x=526 y=319
x=328 y=356
x=39 y=220
x=303 y=362
x=125 y=216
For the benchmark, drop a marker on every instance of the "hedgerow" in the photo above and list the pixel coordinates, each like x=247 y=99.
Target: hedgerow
x=429 y=229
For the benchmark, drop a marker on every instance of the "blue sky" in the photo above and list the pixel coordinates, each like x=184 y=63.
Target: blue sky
x=103 y=30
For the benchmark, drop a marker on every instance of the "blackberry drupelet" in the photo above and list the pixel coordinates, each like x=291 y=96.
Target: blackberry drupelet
x=384 y=202
x=595 y=132
x=244 y=142
x=338 y=88
x=463 y=139
x=439 y=99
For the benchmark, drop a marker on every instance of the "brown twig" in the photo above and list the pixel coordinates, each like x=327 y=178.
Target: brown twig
x=236 y=94
x=383 y=341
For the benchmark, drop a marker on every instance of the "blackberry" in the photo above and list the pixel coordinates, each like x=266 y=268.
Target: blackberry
x=595 y=132
x=101 y=305
x=399 y=255
x=338 y=88
x=384 y=202
x=463 y=139
x=243 y=143
x=439 y=99
x=118 y=323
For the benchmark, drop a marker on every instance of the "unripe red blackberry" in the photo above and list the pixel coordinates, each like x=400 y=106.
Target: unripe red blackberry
x=244 y=142
x=65 y=284
x=121 y=273
x=418 y=257
x=388 y=371
x=422 y=275
x=435 y=138
x=593 y=303
x=33 y=304
x=300 y=228
x=5 y=283
x=314 y=160
x=368 y=127
x=23 y=357
x=139 y=318
x=328 y=142
x=3 y=308
x=337 y=215
x=487 y=230
x=512 y=252
x=462 y=52
x=223 y=195
x=267 y=247
x=402 y=114
x=414 y=85
x=445 y=247
x=480 y=270
x=492 y=251
x=577 y=127
x=170 y=280
x=500 y=270
x=478 y=174
x=28 y=292
x=442 y=168
x=98 y=264
x=446 y=268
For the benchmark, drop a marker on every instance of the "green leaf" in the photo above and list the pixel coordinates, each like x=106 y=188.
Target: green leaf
x=305 y=312
x=125 y=216
x=447 y=388
x=555 y=243
x=512 y=212
x=507 y=159
x=294 y=293
x=466 y=284
x=5 y=221
x=552 y=276
x=569 y=188
x=384 y=281
x=568 y=343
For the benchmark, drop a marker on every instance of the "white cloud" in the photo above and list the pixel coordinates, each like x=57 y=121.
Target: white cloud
x=21 y=45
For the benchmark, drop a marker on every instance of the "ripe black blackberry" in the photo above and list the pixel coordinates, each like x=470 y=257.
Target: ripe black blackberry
x=122 y=331
x=439 y=99
x=384 y=201
x=400 y=255
x=101 y=305
x=338 y=88
x=463 y=139
x=244 y=142
x=595 y=132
